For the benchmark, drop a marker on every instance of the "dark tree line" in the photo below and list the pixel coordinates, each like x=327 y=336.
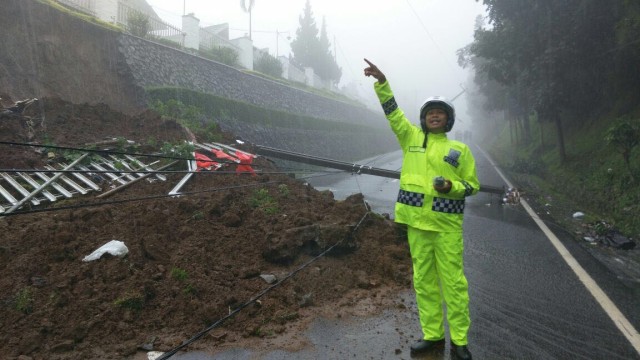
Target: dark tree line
x=565 y=61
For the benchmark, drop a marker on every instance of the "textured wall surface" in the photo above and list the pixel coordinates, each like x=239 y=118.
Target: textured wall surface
x=155 y=65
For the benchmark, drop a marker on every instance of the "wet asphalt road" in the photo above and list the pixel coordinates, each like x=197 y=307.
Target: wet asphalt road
x=526 y=302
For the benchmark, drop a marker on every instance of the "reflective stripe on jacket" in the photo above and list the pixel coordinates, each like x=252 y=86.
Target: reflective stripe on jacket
x=419 y=204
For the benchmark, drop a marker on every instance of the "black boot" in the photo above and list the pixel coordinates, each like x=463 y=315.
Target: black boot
x=461 y=352
x=423 y=346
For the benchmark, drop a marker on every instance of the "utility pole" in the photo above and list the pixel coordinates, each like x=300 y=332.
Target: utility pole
x=277 y=36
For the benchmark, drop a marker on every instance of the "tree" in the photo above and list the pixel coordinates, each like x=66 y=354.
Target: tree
x=310 y=50
x=624 y=136
x=268 y=65
x=138 y=23
x=545 y=55
x=306 y=42
x=247 y=7
x=327 y=67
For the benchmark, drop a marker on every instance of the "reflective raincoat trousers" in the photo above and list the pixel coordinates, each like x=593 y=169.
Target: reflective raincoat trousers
x=433 y=219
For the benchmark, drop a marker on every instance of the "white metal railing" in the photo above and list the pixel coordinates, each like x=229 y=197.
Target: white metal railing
x=157 y=27
x=79 y=5
x=209 y=40
x=38 y=187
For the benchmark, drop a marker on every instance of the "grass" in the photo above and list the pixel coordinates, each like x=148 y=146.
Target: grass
x=263 y=200
x=283 y=189
x=80 y=15
x=131 y=301
x=179 y=274
x=24 y=301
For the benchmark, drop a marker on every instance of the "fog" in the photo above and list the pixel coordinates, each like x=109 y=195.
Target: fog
x=413 y=42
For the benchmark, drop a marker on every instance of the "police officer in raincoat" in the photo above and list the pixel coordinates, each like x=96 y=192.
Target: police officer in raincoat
x=437 y=175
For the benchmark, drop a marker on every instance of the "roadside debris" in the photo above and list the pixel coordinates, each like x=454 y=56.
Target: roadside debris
x=17 y=108
x=511 y=197
x=113 y=247
x=605 y=234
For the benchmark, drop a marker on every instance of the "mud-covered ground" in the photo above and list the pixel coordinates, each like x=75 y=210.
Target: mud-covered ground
x=192 y=260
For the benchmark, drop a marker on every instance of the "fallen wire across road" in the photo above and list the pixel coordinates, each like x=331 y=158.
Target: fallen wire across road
x=255 y=298
x=346 y=166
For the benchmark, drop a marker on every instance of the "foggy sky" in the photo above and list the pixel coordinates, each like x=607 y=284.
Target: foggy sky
x=412 y=41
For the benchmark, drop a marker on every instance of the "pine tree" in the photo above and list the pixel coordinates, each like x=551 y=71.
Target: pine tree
x=310 y=50
x=306 y=43
x=327 y=68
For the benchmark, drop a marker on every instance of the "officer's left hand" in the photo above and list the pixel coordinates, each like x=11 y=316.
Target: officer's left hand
x=444 y=188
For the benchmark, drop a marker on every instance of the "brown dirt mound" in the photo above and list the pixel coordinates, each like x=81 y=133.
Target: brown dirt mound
x=192 y=259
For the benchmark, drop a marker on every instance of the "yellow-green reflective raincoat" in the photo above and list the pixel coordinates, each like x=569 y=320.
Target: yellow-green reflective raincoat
x=433 y=219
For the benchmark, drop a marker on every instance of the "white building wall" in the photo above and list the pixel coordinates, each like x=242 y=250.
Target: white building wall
x=290 y=72
x=106 y=10
x=191 y=28
x=246 y=51
x=309 y=76
x=285 y=67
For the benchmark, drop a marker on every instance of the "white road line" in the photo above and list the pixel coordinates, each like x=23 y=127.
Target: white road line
x=607 y=305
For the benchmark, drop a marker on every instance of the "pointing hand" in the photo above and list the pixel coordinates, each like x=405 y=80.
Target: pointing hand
x=373 y=70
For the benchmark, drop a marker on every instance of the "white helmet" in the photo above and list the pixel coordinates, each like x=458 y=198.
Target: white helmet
x=442 y=102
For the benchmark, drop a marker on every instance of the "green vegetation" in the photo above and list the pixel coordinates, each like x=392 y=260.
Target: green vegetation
x=283 y=189
x=182 y=276
x=569 y=112
x=197 y=215
x=263 y=200
x=164 y=41
x=138 y=24
x=529 y=59
x=624 y=135
x=189 y=116
x=189 y=290
x=593 y=179
x=179 y=274
x=24 y=301
x=80 y=15
x=131 y=301
x=181 y=150
x=268 y=65
x=222 y=54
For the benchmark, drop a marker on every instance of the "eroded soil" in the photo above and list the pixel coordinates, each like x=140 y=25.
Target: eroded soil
x=192 y=260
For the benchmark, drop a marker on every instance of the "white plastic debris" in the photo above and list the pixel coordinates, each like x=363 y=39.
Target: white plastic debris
x=153 y=355
x=589 y=239
x=578 y=215
x=113 y=247
x=270 y=279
